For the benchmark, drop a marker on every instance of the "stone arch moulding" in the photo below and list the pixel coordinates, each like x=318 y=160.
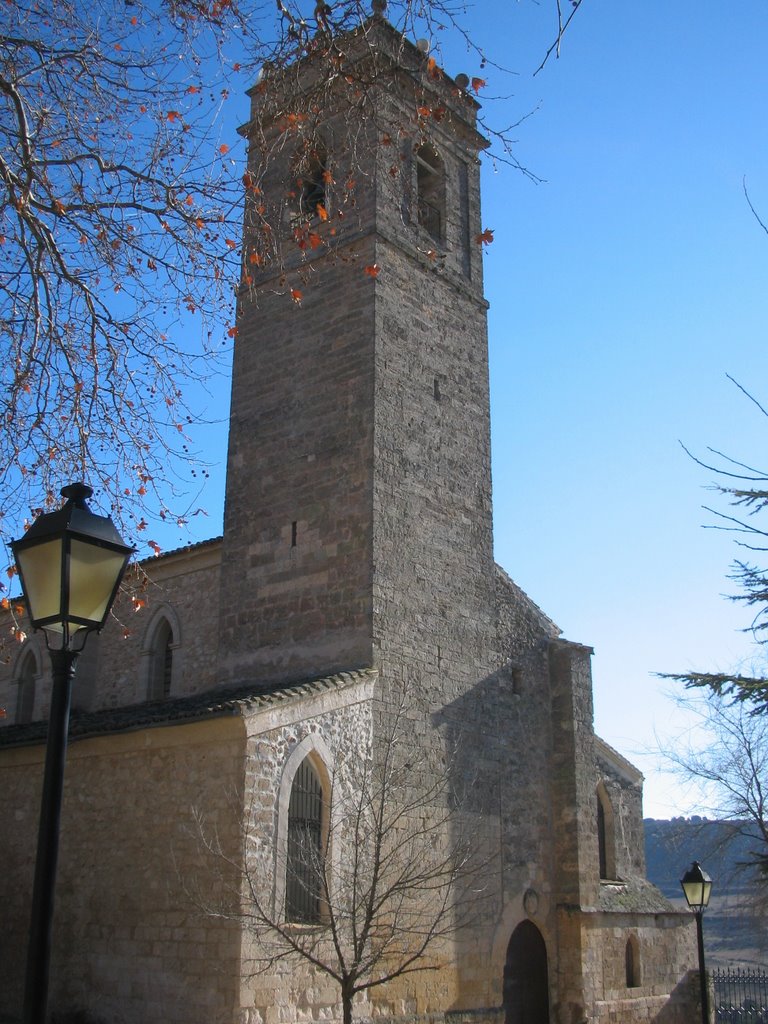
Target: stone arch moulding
x=31 y=650
x=314 y=747
x=513 y=915
x=163 y=615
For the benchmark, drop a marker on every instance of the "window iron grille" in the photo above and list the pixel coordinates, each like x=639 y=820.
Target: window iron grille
x=430 y=218
x=304 y=863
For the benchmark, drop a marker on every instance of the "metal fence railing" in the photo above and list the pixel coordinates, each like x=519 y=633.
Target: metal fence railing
x=741 y=995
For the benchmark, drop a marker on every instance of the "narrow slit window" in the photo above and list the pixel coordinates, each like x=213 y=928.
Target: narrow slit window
x=602 y=846
x=632 y=962
x=167 y=655
x=517 y=681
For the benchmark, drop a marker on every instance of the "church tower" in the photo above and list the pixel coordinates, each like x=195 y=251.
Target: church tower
x=358 y=506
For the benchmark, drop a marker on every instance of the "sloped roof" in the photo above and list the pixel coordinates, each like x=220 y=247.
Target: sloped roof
x=182 y=710
x=634 y=896
x=617 y=761
x=183 y=550
x=546 y=624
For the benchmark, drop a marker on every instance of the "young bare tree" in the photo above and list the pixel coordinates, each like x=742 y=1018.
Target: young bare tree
x=121 y=189
x=374 y=878
x=725 y=757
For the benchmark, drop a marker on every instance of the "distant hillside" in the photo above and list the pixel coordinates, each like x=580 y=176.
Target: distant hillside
x=735 y=925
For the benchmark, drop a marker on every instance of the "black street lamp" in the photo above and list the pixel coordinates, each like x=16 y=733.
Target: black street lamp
x=697 y=886
x=70 y=564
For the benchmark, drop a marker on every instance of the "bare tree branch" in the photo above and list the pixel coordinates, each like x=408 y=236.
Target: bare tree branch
x=726 y=755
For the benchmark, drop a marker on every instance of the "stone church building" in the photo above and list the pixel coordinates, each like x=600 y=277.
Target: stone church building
x=351 y=608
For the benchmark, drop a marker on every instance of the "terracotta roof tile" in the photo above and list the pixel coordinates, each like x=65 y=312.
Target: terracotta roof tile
x=178 y=710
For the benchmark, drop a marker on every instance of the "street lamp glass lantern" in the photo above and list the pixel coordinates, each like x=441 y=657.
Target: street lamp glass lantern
x=697 y=886
x=71 y=563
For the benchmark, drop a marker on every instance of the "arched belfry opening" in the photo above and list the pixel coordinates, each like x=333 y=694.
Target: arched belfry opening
x=526 y=980
x=313 y=180
x=430 y=183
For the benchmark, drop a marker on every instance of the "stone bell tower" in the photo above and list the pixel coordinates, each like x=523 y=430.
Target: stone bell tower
x=358 y=503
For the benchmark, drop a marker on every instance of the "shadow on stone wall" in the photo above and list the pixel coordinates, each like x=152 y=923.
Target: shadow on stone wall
x=683 y=1005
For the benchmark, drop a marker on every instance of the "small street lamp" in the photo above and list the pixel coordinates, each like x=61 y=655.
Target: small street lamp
x=70 y=564
x=697 y=886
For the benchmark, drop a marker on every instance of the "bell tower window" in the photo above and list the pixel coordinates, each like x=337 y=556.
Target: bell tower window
x=430 y=187
x=314 y=182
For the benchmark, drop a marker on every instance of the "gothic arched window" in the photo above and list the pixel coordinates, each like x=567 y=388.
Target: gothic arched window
x=430 y=190
x=161 y=664
x=27 y=679
x=605 y=835
x=305 y=855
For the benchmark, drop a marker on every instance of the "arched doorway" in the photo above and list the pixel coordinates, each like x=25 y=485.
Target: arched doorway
x=526 y=985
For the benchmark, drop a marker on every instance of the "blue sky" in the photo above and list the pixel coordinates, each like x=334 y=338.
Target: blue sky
x=623 y=289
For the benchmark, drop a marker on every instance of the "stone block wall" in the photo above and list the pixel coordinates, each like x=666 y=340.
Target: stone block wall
x=297 y=561
x=297 y=550
x=432 y=545
x=130 y=944
x=665 y=954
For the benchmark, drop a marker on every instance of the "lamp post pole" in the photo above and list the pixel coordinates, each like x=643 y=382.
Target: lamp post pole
x=697 y=886
x=41 y=924
x=70 y=565
x=699 y=914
